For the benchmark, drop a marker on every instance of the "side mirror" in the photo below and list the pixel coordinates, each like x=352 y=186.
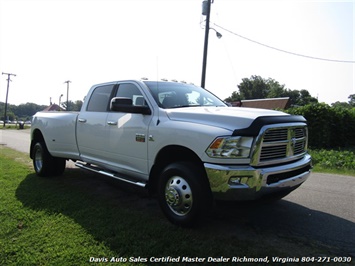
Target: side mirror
x=125 y=105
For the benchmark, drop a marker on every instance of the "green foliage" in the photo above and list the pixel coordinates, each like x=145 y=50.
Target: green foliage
x=257 y=87
x=340 y=160
x=254 y=88
x=234 y=97
x=350 y=104
x=352 y=100
x=21 y=112
x=38 y=236
x=26 y=111
x=329 y=127
x=73 y=106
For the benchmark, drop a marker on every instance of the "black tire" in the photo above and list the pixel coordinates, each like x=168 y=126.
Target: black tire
x=44 y=163
x=184 y=194
x=59 y=166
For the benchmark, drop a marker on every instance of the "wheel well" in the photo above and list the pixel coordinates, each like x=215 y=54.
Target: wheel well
x=167 y=155
x=36 y=137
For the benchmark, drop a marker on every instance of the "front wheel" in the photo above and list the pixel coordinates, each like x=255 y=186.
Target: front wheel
x=44 y=163
x=183 y=193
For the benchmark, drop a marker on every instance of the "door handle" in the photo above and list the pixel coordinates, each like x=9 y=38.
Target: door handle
x=82 y=120
x=111 y=123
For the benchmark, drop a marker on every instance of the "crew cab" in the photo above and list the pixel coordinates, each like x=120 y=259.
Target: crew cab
x=177 y=140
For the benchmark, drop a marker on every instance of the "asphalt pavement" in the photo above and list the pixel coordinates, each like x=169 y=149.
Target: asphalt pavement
x=321 y=211
x=20 y=140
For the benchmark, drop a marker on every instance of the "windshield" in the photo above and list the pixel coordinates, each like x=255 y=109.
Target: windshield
x=176 y=95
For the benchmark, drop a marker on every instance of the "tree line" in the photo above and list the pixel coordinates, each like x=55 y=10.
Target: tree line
x=257 y=87
x=24 y=112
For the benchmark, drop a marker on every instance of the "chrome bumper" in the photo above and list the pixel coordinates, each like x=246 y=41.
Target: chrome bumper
x=231 y=182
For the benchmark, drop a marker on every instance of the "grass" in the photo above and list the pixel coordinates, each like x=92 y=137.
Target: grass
x=75 y=218
x=340 y=161
x=68 y=220
x=32 y=231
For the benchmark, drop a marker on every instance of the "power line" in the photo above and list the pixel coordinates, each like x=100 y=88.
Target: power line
x=284 y=51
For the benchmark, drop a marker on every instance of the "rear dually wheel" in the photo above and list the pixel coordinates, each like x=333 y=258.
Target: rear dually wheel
x=44 y=163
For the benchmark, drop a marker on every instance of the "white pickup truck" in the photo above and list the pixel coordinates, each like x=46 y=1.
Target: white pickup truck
x=179 y=141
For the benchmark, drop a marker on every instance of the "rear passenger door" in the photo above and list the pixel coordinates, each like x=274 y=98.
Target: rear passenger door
x=92 y=130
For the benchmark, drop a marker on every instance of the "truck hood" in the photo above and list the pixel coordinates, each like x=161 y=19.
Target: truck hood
x=230 y=118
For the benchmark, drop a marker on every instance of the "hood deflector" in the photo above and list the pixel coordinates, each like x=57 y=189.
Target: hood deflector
x=254 y=129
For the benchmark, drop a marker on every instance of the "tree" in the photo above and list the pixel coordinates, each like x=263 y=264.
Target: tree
x=294 y=96
x=341 y=104
x=349 y=104
x=352 y=100
x=77 y=105
x=253 y=88
x=275 y=90
x=257 y=87
x=234 y=97
x=27 y=110
x=305 y=98
x=73 y=106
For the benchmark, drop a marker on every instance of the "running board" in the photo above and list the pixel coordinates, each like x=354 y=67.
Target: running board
x=107 y=173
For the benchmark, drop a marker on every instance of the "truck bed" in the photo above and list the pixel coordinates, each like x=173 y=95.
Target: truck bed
x=60 y=128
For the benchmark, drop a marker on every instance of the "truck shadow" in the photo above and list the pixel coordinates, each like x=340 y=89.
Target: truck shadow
x=107 y=209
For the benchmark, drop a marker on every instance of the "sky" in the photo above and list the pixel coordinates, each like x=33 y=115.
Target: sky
x=47 y=42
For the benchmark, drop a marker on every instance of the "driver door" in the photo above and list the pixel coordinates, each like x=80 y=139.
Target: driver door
x=128 y=135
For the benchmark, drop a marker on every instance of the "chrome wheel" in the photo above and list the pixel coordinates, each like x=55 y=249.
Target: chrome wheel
x=178 y=195
x=38 y=159
x=183 y=193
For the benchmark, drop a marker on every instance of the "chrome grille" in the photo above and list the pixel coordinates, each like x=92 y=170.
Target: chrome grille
x=299 y=132
x=299 y=147
x=273 y=152
x=275 y=135
x=281 y=144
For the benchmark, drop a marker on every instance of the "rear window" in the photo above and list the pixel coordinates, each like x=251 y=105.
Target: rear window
x=99 y=100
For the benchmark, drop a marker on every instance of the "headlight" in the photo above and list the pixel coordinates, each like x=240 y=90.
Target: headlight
x=230 y=147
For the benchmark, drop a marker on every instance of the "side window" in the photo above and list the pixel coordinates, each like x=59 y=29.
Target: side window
x=131 y=91
x=100 y=98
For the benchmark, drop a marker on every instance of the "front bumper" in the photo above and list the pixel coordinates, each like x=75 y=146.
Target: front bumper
x=239 y=183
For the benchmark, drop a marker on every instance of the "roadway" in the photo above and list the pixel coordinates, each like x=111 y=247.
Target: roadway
x=321 y=211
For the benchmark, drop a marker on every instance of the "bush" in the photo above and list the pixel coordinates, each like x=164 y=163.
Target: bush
x=329 y=127
x=334 y=159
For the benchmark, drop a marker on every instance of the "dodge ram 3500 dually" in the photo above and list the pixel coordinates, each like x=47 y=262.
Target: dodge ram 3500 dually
x=179 y=141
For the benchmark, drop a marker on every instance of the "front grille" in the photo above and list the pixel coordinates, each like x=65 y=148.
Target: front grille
x=275 y=135
x=282 y=143
x=273 y=152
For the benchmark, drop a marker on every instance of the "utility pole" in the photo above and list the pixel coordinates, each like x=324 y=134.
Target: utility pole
x=7 y=92
x=67 y=82
x=60 y=100
x=206 y=10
